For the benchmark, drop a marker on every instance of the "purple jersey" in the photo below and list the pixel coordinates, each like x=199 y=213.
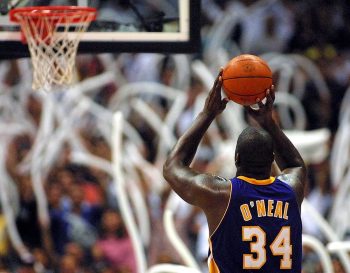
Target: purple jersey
x=261 y=230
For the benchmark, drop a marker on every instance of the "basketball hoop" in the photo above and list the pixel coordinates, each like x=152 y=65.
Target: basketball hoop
x=53 y=34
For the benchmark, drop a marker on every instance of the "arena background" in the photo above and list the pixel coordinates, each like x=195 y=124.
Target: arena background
x=81 y=168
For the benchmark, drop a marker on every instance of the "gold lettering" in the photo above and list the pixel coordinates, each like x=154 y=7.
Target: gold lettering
x=245 y=212
x=278 y=209
x=285 y=211
x=270 y=207
x=260 y=207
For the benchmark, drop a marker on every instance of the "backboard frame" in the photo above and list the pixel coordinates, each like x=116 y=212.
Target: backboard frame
x=187 y=40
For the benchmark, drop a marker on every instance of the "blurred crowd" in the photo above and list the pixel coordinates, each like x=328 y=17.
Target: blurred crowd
x=86 y=231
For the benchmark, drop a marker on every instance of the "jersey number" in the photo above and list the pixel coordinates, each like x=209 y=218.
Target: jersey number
x=280 y=247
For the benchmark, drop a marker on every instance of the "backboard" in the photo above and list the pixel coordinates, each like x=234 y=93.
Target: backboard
x=171 y=26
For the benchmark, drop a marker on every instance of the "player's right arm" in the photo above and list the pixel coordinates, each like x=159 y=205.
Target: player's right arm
x=290 y=162
x=207 y=191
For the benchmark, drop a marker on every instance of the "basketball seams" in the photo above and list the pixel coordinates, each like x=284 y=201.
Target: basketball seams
x=244 y=77
x=253 y=60
x=247 y=95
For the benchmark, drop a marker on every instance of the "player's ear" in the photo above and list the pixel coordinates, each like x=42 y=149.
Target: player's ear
x=237 y=159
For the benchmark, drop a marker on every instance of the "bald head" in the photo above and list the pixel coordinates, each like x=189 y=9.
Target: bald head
x=254 y=149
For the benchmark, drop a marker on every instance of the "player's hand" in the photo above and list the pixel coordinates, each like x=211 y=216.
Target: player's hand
x=214 y=104
x=263 y=115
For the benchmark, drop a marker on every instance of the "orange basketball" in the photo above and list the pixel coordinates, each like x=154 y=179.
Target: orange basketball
x=246 y=78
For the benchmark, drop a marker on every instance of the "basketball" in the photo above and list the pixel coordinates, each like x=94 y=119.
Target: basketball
x=246 y=78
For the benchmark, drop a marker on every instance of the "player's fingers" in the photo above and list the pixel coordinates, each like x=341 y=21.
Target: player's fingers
x=260 y=103
x=223 y=104
x=218 y=76
x=216 y=91
x=219 y=83
x=250 y=110
x=273 y=93
x=225 y=101
x=215 y=83
x=269 y=98
x=268 y=95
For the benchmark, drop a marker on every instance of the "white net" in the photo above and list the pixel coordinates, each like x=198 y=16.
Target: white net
x=53 y=37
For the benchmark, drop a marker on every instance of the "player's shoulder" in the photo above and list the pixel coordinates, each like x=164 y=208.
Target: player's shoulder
x=222 y=181
x=214 y=183
x=294 y=183
x=288 y=179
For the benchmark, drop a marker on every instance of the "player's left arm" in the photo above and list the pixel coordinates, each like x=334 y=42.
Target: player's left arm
x=288 y=159
x=194 y=187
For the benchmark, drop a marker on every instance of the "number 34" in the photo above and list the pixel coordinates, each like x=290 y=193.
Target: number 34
x=280 y=247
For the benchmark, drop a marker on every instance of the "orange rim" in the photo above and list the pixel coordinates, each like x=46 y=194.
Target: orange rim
x=51 y=11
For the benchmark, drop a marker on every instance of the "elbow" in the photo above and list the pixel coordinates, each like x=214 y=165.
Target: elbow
x=171 y=169
x=297 y=163
x=167 y=169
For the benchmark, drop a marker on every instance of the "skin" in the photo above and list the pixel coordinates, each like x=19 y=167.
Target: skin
x=212 y=193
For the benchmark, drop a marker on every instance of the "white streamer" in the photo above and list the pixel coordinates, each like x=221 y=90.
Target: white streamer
x=319 y=248
x=155 y=122
x=11 y=227
x=168 y=222
x=329 y=233
x=121 y=192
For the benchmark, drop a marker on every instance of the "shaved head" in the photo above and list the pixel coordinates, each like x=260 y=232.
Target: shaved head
x=254 y=148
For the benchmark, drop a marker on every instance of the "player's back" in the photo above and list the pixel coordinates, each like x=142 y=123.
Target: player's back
x=260 y=231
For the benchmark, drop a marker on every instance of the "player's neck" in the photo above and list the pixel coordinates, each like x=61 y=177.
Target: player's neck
x=259 y=174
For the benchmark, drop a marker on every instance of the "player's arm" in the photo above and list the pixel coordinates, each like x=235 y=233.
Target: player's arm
x=195 y=188
x=289 y=161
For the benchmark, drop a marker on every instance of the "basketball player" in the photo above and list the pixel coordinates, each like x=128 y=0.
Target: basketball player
x=254 y=219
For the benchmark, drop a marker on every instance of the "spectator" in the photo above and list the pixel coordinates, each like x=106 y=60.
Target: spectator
x=114 y=245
